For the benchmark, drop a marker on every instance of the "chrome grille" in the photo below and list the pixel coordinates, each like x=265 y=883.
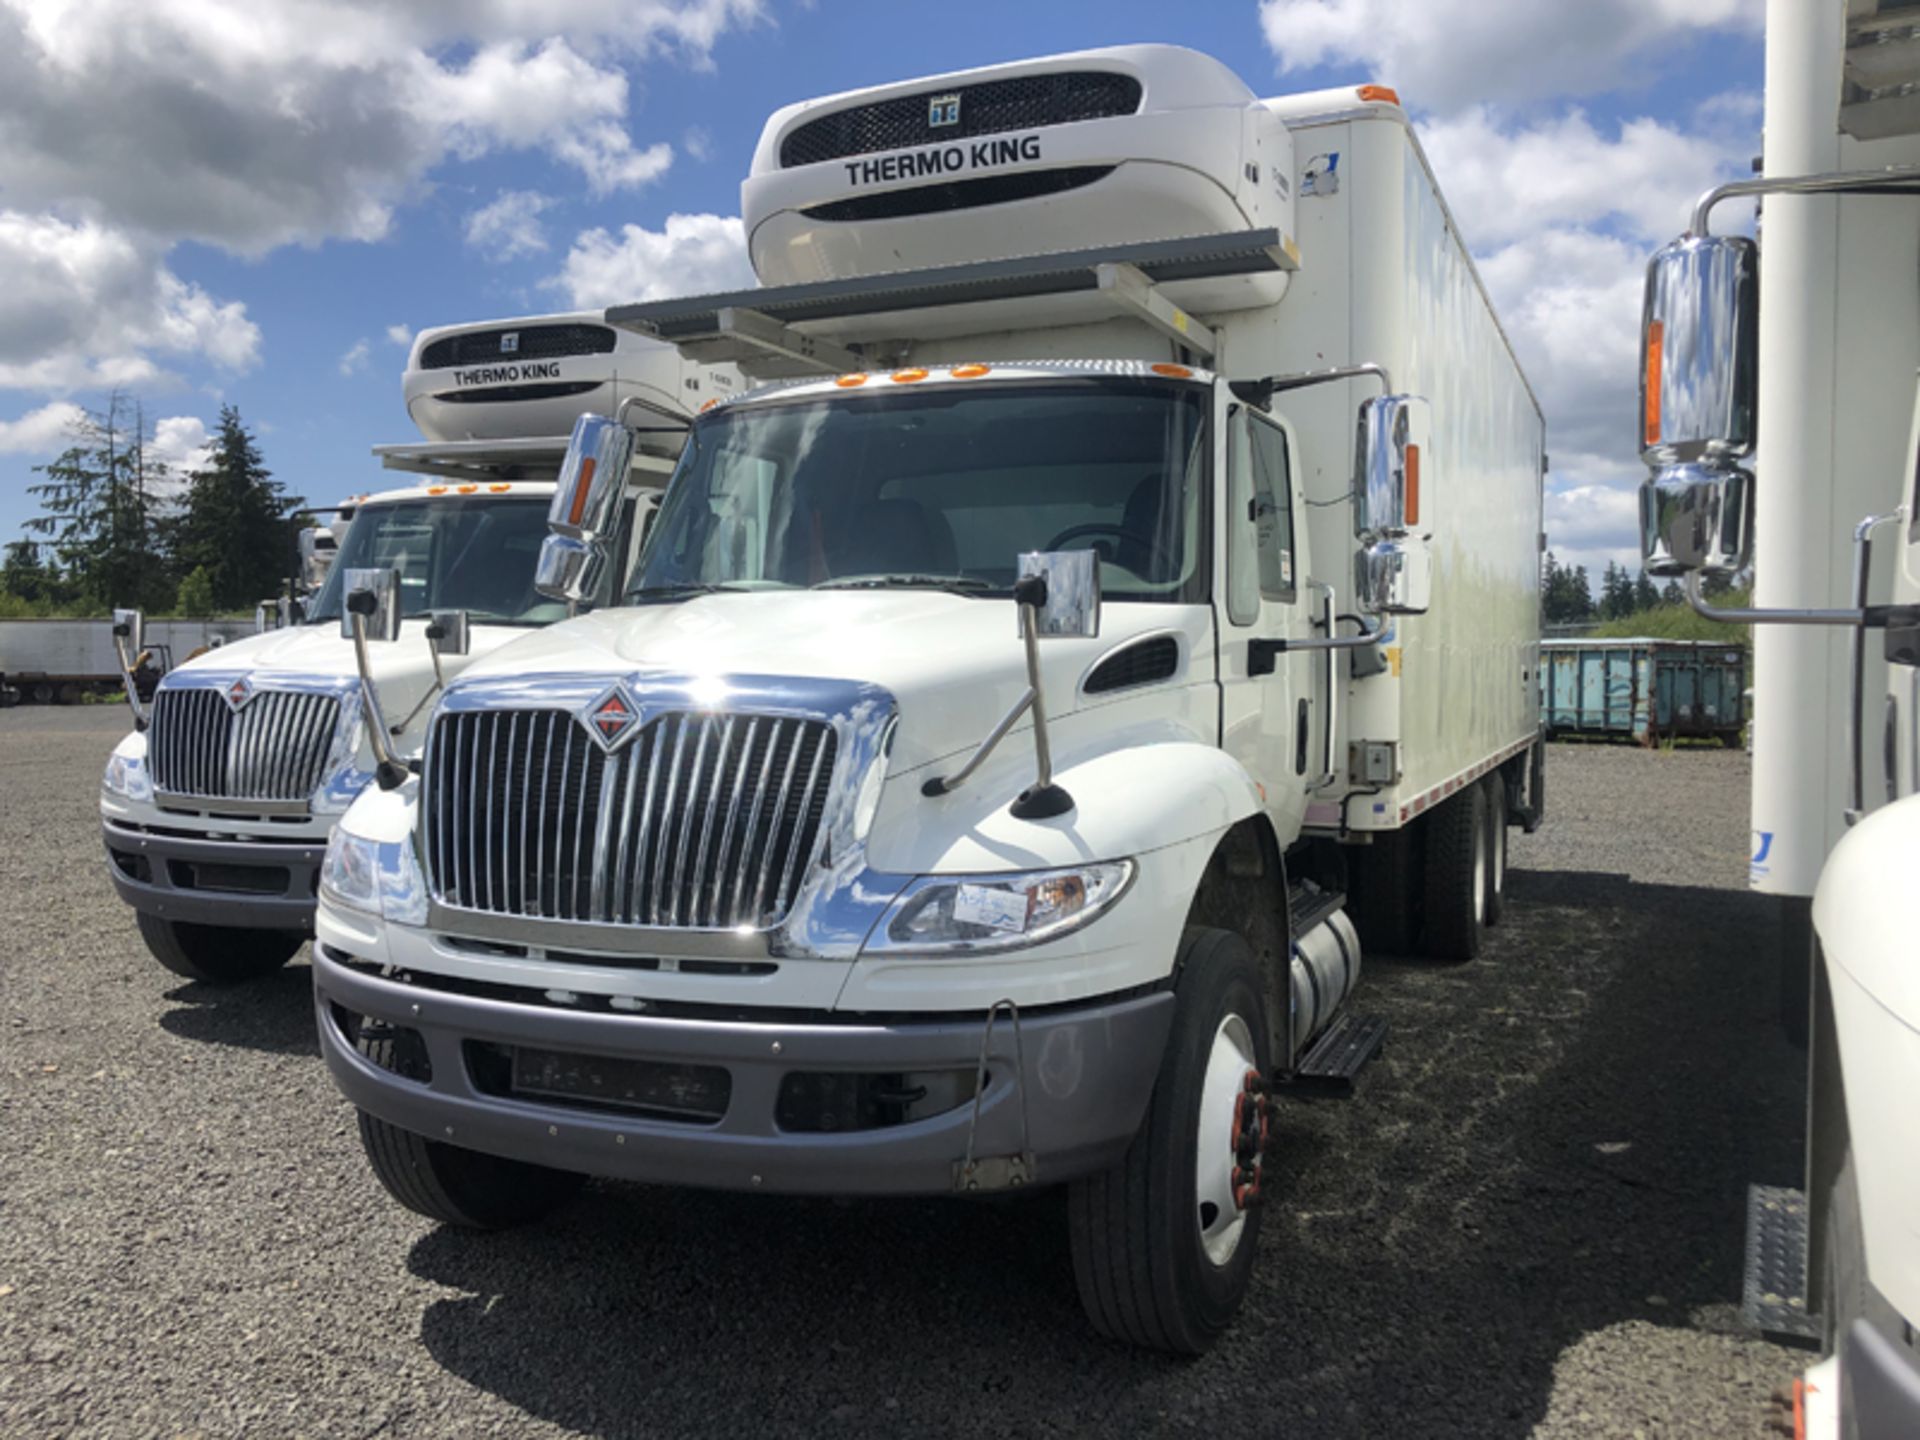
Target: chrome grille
x=701 y=821
x=274 y=747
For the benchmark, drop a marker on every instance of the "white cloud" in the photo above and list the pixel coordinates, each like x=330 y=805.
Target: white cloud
x=40 y=432
x=401 y=335
x=510 y=226
x=254 y=123
x=691 y=255
x=1504 y=182
x=355 y=360
x=84 y=304
x=698 y=143
x=1443 y=54
x=182 y=443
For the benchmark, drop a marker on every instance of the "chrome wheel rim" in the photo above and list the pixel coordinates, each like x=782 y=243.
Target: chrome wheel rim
x=1223 y=1186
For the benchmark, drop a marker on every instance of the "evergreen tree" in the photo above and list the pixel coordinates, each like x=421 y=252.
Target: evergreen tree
x=25 y=576
x=1646 y=594
x=99 y=509
x=1580 y=593
x=237 y=523
x=1616 y=592
x=196 y=594
x=1672 y=594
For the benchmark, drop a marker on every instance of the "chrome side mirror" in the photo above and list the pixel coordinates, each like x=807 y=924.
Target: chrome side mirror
x=130 y=629
x=1394 y=569
x=373 y=599
x=1696 y=517
x=1067 y=603
x=586 y=510
x=449 y=631
x=1700 y=351
x=317 y=551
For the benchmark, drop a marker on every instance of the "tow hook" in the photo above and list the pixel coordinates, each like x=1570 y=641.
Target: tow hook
x=1252 y=1113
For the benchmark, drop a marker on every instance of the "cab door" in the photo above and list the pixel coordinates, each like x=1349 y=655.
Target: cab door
x=1272 y=711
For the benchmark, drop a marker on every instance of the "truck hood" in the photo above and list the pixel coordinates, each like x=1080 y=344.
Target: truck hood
x=954 y=663
x=402 y=670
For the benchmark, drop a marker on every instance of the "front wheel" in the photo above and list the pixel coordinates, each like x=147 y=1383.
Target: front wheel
x=1164 y=1242
x=448 y=1183
x=217 y=954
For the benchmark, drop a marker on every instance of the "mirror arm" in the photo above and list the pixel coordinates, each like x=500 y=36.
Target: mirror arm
x=126 y=673
x=1259 y=392
x=946 y=785
x=1260 y=653
x=388 y=771
x=1892 y=180
x=1042 y=800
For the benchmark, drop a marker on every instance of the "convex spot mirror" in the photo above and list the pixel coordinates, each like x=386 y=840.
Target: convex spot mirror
x=586 y=510
x=374 y=596
x=1069 y=604
x=130 y=627
x=1697 y=517
x=450 y=631
x=1699 y=351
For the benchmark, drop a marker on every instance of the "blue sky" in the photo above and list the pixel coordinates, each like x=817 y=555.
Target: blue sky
x=225 y=202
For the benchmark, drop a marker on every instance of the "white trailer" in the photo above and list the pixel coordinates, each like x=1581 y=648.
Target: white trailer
x=56 y=661
x=1830 y=522
x=800 y=872
x=216 y=810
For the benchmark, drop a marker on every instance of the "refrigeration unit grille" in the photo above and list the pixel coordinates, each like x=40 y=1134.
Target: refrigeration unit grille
x=702 y=821
x=993 y=107
x=527 y=342
x=274 y=747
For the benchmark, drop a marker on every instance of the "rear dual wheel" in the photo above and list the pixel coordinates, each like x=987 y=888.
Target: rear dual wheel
x=1164 y=1242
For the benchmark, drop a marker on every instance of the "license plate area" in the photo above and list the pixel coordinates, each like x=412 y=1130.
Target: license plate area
x=655 y=1089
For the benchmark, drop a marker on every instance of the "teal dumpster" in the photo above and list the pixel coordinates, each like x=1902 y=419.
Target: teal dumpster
x=1644 y=689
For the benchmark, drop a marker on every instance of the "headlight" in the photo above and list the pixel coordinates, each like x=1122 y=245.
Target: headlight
x=350 y=875
x=973 y=914
x=378 y=877
x=127 y=771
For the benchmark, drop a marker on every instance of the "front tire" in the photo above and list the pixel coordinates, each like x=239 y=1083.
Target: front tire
x=449 y=1183
x=1164 y=1242
x=217 y=954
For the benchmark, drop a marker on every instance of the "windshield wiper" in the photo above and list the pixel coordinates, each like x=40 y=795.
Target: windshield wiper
x=905 y=580
x=679 y=590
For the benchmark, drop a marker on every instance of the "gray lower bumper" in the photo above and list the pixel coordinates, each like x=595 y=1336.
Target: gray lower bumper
x=215 y=882
x=1881 y=1380
x=1087 y=1076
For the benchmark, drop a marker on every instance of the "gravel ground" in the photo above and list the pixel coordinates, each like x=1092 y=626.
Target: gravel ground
x=1529 y=1222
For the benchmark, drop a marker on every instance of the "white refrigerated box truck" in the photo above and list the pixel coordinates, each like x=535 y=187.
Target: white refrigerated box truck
x=1803 y=352
x=801 y=871
x=215 y=810
x=57 y=661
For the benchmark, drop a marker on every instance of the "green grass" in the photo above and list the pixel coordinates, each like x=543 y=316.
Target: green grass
x=1678 y=622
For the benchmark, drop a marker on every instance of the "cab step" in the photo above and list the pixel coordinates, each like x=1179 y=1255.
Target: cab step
x=1333 y=1062
x=1774 y=1298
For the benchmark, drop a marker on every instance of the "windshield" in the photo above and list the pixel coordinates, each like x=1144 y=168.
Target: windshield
x=943 y=488
x=452 y=554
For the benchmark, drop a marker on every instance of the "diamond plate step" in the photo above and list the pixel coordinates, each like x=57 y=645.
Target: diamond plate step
x=1774 y=1301
x=1336 y=1059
